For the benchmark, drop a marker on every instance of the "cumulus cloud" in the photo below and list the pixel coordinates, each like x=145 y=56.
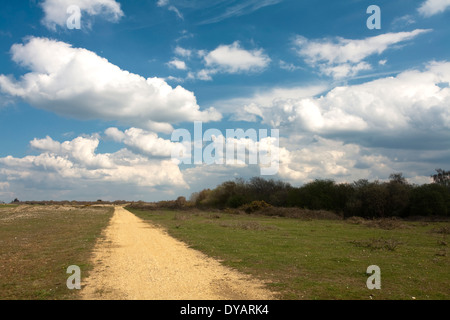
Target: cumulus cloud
x=78 y=83
x=4 y=185
x=177 y=64
x=186 y=53
x=81 y=150
x=344 y=70
x=56 y=11
x=233 y=59
x=432 y=7
x=364 y=131
x=304 y=158
x=252 y=108
x=309 y=157
x=142 y=141
x=73 y=165
x=412 y=104
x=344 y=57
x=229 y=59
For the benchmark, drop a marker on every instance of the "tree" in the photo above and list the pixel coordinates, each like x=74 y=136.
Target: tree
x=369 y=200
x=317 y=195
x=442 y=178
x=399 y=191
x=397 y=178
x=430 y=199
x=180 y=202
x=203 y=197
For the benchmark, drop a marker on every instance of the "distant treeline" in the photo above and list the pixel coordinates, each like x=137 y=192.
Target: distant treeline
x=395 y=198
x=67 y=202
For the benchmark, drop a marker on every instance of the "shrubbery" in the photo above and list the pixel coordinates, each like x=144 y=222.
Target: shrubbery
x=255 y=206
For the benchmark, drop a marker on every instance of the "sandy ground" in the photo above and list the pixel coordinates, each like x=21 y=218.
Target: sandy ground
x=138 y=261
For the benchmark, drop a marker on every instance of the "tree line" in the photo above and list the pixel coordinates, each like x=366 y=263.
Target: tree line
x=363 y=198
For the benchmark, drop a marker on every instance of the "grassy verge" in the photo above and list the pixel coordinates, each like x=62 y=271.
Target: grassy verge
x=321 y=259
x=39 y=243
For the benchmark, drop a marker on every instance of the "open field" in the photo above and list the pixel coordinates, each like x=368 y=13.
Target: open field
x=321 y=259
x=38 y=243
x=298 y=258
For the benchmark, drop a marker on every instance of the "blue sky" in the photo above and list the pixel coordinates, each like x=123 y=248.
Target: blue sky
x=89 y=113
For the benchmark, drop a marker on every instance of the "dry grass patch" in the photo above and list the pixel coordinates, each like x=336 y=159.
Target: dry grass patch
x=298 y=213
x=444 y=230
x=246 y=225
x=383 y=223
x=377 y=244
x=39 y=243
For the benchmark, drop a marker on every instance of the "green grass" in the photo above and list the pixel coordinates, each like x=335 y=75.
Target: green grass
x=38 y=244
x=320 y=259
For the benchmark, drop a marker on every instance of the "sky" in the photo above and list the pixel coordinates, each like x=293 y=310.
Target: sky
x=91 y=92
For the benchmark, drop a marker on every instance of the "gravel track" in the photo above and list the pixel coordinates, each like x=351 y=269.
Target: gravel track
x=138 y=261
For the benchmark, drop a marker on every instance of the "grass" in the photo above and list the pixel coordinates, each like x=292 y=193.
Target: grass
x=39 y=243
x=320 y=259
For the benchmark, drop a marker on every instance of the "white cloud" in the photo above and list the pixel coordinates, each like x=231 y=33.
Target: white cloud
x=78 y=83
x=166 y=3
x=177 y=12
x=75 y=164
x=403 y=21
x=4 y=186
x=249 y=108
x=162 y=3
x=81 y=150
x=205 y=74
x=308 y=157
x=288 y=66
x=304 y=158
x=142 y=141
x=345 y=70
x=412 y=104
x=56 y=10
x=175 y=79
x=320 y=157
x=178 y=64
x=431 y=7
x=233 y=59
x=186 y=53
x=343 y=57
x=241 y=8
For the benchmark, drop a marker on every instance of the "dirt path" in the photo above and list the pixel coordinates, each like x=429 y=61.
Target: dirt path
x=140 y=261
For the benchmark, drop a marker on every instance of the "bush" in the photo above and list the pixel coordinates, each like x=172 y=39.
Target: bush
x=235 y=201
x=255 y=206
x=180 y=202
x=202 y=199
